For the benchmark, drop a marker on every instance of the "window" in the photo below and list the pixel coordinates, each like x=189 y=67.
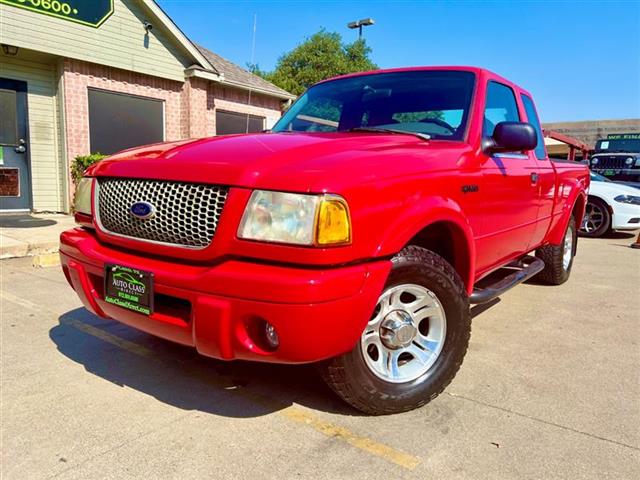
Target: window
x=229 y=123
x=434 y=102
x=8 y=118
x=501 y=107
x=626 y=145
x=532 y=118
x=118 y=121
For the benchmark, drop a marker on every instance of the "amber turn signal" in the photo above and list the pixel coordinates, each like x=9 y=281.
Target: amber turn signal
x=333 y=223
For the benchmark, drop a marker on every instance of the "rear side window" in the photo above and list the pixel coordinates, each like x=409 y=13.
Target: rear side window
x=532 y=118
x=501 y=107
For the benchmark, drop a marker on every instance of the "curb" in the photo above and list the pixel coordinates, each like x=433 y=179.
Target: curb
x=20 y=249
x=46 y=260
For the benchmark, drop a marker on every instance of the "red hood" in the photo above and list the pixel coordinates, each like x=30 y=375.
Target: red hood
x=281 y=161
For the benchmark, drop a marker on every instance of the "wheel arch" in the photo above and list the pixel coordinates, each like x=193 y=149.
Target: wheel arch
x=449 y=240
x=602 y=199
x=578 y=204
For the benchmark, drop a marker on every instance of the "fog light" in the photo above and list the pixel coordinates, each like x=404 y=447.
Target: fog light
x=271 y=335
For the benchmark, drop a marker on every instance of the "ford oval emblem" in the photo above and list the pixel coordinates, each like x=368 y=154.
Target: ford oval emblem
x=143 y=210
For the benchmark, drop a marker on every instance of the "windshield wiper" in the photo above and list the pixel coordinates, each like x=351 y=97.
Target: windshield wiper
x=422 y=136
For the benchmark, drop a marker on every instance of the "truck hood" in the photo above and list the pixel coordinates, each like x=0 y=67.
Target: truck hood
x=284 y=161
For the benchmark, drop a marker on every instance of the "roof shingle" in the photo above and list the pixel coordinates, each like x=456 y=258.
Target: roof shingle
x=234 y=74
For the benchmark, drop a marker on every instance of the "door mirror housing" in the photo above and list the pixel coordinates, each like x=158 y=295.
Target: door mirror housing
x=511 y=137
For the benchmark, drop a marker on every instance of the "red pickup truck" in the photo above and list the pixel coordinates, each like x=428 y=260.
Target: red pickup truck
x=355 y=233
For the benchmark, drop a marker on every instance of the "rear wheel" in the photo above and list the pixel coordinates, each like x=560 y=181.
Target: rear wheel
x=414 y=343
x=596 y=220
x=558 y=259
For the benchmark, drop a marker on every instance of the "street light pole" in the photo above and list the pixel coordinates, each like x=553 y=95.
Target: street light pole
x=365 y=22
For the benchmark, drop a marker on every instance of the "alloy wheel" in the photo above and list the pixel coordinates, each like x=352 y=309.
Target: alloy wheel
x=593 y=218
x=406 y=335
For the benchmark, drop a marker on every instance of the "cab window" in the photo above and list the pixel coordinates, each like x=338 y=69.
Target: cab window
x=532 y=118
x=501 y=107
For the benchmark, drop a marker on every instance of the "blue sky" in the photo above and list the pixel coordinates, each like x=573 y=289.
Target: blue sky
x=581 y=59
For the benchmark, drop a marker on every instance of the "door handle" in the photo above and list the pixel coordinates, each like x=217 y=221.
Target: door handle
x=534 y=178
x=21 y=148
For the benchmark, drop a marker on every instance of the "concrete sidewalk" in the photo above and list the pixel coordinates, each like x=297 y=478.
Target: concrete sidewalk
x=31 y=235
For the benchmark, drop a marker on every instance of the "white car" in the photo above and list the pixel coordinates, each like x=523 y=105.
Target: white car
x=611 y=206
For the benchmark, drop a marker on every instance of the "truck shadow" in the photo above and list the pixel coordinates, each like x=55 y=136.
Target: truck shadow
x=179 y=376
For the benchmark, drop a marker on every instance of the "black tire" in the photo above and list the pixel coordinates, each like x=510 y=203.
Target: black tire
x=349 y=376
x=555 y=272
x=596 y=211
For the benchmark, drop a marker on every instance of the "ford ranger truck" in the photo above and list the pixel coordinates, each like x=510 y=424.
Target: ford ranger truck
x=617 y=157
x=355 y=234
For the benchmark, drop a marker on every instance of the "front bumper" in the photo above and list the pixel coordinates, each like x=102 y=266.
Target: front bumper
x=318 y=313
x=625 y=216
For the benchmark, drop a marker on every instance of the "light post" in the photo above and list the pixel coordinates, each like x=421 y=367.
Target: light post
x=365 y=22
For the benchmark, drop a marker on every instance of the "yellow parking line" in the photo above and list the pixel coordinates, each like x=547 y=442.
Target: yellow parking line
x=363 y=443
x=19 y=301
x=293 y=413
x=132 y=347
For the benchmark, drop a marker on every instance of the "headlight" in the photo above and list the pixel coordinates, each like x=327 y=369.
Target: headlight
x=594 y=161
x=629 y=161
x=296 y=219
x=637 y=162
x=83 y=196
x=632 y=199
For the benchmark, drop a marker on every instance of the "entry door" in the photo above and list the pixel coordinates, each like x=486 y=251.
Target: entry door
x=15 y=176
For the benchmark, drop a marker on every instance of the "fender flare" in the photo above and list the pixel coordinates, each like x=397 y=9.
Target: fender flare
x=428 y=212
x=556 y=234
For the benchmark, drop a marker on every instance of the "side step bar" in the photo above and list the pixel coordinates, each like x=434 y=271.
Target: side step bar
x=524 y=269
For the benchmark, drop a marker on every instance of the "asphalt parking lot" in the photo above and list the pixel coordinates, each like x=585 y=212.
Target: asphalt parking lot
x=550 y=388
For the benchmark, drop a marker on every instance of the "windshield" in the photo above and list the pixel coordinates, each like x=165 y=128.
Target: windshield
x=626 y=145
x=434 y=102
x=598 y=178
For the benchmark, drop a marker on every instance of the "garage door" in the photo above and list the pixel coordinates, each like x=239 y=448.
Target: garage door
x=118 y=121
x=228 y=123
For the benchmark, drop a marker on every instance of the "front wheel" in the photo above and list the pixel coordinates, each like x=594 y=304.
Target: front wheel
x=414 y=343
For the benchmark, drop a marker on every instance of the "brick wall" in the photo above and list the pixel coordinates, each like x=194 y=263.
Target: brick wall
x=189 y=106
x=79 y=76
x=194 y=108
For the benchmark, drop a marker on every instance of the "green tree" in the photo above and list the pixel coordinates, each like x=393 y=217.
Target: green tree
x=321 y=56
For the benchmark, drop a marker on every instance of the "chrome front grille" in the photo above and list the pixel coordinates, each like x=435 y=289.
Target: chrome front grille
x=185 y=214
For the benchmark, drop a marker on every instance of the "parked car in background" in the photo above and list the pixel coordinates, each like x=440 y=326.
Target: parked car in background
x=617 y=157
x=610 y=206
x=355 y=234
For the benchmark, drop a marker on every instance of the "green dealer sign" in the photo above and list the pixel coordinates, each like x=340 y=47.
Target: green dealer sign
x=86 y=12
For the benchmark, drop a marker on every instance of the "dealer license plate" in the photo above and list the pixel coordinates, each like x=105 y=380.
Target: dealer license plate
x=129 y=288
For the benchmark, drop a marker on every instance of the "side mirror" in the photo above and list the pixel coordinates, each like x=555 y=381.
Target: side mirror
x=510 y=137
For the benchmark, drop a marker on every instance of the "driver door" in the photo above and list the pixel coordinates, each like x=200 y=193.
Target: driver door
x=509 y=185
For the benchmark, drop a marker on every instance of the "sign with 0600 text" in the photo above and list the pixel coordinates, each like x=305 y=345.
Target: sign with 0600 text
x=92 y=13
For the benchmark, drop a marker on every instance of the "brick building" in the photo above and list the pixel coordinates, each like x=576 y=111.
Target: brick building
x=589 y=131
x=79 y=76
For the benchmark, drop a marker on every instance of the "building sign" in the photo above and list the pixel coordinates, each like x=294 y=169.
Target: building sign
x=623 y=136
x=86 y=12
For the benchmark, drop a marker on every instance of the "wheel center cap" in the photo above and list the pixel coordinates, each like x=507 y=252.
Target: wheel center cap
x=397 y=330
